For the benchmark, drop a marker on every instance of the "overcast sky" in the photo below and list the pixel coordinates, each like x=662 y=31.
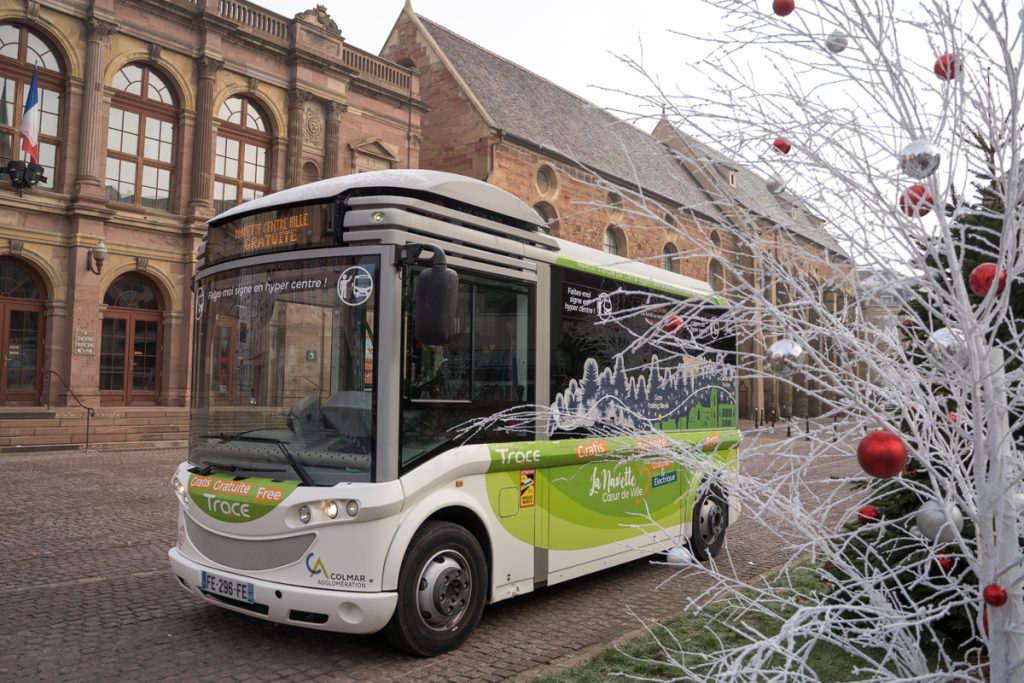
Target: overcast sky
x=569 y=42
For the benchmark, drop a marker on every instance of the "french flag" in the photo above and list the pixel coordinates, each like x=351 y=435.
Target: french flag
x=30 y=120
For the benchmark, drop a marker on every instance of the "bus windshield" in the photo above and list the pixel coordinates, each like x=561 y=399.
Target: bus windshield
x=283 y=374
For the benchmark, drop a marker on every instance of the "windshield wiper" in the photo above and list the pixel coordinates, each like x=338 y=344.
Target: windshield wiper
x=292 y=460
x=208 y=467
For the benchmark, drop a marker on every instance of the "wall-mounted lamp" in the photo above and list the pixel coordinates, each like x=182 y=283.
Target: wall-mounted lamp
x=96 y=257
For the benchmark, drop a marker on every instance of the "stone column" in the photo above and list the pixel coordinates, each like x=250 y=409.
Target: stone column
x=332 y=139
x=203 y=144
x=92 y=134
x=296 y=119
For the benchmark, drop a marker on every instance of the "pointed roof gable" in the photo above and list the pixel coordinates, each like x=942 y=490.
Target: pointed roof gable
x=526 y=106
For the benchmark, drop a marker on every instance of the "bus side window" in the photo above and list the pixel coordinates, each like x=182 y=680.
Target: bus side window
x=450 y=392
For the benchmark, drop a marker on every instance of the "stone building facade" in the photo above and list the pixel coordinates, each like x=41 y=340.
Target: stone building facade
x=156 y=115
x=663 y=197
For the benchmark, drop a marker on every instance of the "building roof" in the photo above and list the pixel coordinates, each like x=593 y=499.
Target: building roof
x=752 y=194
x=554 y=119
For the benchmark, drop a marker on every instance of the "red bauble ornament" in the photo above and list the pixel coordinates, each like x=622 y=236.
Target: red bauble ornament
x=829 y=564
x=882 y=454
x=946 y=66
x=994 y=595
x=953 y=417
x=982 y=277
x=867 y=514
x=782 y=145
x=675 y=324
x=783 y=7
x=907 y=322
x=916 y=201
x=945 y=563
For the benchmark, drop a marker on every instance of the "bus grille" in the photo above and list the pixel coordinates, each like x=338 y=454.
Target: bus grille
x=242 y=554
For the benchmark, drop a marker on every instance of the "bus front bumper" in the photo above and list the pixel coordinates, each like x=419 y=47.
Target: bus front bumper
x=327 y=610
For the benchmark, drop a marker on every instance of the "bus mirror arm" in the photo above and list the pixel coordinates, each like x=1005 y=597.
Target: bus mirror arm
x=436 y=295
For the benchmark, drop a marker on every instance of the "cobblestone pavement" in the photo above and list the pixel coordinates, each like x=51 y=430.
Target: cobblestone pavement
x=87 y=594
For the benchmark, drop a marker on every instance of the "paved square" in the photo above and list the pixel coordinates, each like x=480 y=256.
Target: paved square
x=88 y=595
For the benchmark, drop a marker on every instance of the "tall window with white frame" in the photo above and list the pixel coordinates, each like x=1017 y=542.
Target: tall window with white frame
x=140 y=139
x=241 y=165
x=21 y=50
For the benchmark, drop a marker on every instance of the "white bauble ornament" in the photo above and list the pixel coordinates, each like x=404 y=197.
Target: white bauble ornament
x=836 y=42
x=785 y=357
x=920 y=159
x=948 y=345
x=679 y=557
x=775 y=184
x=939 y=524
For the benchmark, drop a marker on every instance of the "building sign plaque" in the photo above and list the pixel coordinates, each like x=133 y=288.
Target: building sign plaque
x=85 y=343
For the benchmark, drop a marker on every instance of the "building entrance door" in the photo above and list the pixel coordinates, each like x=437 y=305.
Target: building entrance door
x=21 y=335
x=131 y=344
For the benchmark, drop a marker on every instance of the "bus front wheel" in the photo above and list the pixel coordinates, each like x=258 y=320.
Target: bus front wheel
x=710 y=518
x=442 y=588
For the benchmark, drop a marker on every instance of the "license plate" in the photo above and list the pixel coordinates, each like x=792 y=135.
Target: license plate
x=228 y=588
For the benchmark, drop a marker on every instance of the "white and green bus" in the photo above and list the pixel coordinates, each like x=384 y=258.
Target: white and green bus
x=409 y=401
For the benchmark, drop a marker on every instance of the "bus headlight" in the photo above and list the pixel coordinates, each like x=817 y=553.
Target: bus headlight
x=331 y=508
x=352 y=508
x=304 y=514
x=178 y=487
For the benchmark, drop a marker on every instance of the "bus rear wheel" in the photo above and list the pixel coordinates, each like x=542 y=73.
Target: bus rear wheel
x=442 y=588
x=710 y=519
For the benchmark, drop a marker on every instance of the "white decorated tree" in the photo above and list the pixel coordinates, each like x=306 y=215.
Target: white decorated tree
x=902 y=126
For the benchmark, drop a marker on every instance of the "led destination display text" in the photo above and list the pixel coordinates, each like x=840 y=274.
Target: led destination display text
x=300 y=227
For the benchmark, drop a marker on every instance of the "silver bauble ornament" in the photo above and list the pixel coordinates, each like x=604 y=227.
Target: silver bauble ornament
x=775 y=184
x=836 y=42
x=920 y=159
x=938 y=523
x=915 y=532
x=785 y=357
x=948 y=345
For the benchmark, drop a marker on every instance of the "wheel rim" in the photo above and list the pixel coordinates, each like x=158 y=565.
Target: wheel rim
x=712 y=521
x=444 y=590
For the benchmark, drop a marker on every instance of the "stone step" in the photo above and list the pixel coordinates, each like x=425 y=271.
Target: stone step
x=110 y=428
x=44 y=448
x=6 y=415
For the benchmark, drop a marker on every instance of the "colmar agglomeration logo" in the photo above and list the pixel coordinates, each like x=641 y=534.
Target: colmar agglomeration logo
x=317 y=568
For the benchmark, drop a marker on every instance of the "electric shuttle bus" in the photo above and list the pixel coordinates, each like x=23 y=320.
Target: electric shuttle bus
x=409 y=401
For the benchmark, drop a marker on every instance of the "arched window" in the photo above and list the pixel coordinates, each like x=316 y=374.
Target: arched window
x=669 y=257
x=130 y=346
x=310 y=173
x=241 y=166
x=140 y=139
x=613 y=241
x=550 y=216
x=716 y=272
x=21 y=50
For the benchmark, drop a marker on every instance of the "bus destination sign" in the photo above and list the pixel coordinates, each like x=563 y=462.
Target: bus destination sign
x=300 y=227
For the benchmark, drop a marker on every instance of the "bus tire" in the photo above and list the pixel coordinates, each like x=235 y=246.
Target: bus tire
x=442 y=588
x=710 y=520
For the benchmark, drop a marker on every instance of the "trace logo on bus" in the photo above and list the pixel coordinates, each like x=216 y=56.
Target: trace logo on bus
x=237 y=501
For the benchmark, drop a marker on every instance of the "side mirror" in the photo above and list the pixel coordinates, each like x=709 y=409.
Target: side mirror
x=436 y=296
